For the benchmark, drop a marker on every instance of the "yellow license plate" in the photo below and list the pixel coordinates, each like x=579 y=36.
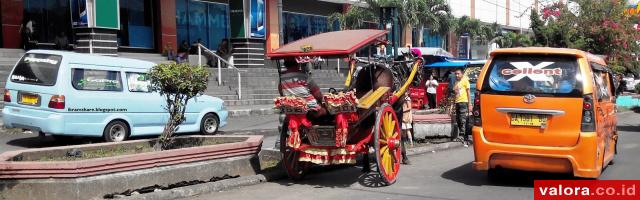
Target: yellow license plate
x=528 y=120
x=29 y=99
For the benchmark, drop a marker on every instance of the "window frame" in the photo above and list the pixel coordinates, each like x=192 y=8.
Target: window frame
x=607 y=81
x=126 y=74
x=485 y=88
x=55 y=81
x=119 y=75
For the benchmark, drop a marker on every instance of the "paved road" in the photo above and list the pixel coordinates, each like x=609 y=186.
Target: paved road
x=18 y=140
x=442 y=175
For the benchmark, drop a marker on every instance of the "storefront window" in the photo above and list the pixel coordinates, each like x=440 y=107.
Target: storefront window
x=298 y=26
x=136 y=24
x=50 y=18
x=205 y=21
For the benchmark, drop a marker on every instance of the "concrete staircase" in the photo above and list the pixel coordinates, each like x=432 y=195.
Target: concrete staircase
x=151 y=57
x=260 y=85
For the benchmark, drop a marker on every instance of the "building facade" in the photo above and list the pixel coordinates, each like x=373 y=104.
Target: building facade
x=254 y=26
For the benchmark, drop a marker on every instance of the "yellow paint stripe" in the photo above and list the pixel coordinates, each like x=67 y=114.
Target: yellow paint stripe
x=404 y=87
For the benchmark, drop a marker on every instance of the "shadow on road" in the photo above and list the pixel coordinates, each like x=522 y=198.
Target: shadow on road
x=465 y=174
x=327 y=177
x=35 y=141
x=48 y=141
x=627 y=128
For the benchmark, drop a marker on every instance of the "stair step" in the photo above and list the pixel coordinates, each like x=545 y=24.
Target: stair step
x=248 y=102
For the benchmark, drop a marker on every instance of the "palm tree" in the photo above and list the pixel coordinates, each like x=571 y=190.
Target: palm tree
x=354 y=18
x=476 y=29
x=437 y=16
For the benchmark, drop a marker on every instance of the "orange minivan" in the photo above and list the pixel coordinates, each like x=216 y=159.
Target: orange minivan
x=545 y=109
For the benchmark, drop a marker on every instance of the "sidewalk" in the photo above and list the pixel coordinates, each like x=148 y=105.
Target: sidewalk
x=251 y=110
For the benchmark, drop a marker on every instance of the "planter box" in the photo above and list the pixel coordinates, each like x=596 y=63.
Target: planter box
x=433 y=126
x=94 y=178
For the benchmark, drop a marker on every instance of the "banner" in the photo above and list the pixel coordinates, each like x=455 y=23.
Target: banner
x=257 y=18
x=79 y=14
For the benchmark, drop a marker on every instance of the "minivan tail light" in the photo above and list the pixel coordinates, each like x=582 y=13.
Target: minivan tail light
x=477 y=118
x=57 y=102
x=588 y=123
x=7 y=95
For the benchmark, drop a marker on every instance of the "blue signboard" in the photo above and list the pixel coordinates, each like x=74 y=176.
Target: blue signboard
x=79 y=14
x=257 y=19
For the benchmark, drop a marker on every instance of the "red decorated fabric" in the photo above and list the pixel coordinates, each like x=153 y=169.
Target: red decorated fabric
x=295 y=121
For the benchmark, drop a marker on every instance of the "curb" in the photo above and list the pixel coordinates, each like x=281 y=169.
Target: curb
x=223 y=185
x=433 y=148
x=217 y=186
x=252 y=112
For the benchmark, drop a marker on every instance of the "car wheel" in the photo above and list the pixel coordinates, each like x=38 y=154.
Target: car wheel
x=116 y=131
x=209 y=124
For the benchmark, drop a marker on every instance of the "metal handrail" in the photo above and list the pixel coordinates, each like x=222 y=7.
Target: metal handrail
x=201 y=47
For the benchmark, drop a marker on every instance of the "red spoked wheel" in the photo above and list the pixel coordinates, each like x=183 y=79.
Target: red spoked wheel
x=387 y=144
x=295 y=169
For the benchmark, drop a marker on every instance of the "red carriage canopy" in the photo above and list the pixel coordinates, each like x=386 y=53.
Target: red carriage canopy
x=331 y=44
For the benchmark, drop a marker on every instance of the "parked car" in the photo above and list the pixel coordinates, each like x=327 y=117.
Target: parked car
x=632 y=81
x=545 y=109
x=71 y=94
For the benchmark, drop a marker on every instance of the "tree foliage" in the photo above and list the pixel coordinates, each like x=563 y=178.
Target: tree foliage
x=598 y=27
x=476 y=29
x=354 y=18
x=432 y=14
x=178 y=83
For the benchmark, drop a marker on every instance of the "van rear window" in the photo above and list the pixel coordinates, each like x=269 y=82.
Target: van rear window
x=37 y=69
x=545 y=75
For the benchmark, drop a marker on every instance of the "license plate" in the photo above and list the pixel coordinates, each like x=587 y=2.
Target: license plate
x=528 y=120
x=29 y=99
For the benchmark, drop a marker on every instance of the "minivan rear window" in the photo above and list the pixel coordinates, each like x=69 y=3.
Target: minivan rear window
x=544 y=75
x=37 y=69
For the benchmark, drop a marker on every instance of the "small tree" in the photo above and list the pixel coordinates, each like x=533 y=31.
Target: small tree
x=177 y=83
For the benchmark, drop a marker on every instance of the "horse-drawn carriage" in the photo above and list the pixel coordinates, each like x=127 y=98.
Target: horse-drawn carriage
x=362 y=118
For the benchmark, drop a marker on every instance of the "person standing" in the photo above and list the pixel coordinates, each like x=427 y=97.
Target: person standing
x=461 y=106
x=407 y=125
x=622 y=85
x=432 y=85
x=26 y=32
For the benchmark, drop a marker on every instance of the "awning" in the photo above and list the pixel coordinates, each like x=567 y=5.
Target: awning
x=330 y=44
x=451 y=64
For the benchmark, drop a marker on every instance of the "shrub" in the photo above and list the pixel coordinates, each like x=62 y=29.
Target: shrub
x=177 y=83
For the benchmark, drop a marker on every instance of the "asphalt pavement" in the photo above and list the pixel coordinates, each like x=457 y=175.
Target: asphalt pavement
x=445 y=175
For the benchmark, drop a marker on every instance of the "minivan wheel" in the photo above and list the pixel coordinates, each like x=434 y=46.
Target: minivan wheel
x=209 y=124
x=116 y=131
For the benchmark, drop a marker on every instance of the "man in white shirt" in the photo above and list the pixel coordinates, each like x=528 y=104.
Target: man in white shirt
x=432 y=85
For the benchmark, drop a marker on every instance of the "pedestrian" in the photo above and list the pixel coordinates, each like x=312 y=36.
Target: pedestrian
x=194 y=47
x=26 y=33
x=224 y=51
x=432 y=85
x=61 y=42
x=461 y=106
x=622 y=85
x=407 y=126
x=183 y=52
x=168 y=50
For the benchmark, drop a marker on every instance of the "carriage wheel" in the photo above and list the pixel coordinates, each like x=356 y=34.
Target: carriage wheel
x=387 y=143
x=295 y=169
